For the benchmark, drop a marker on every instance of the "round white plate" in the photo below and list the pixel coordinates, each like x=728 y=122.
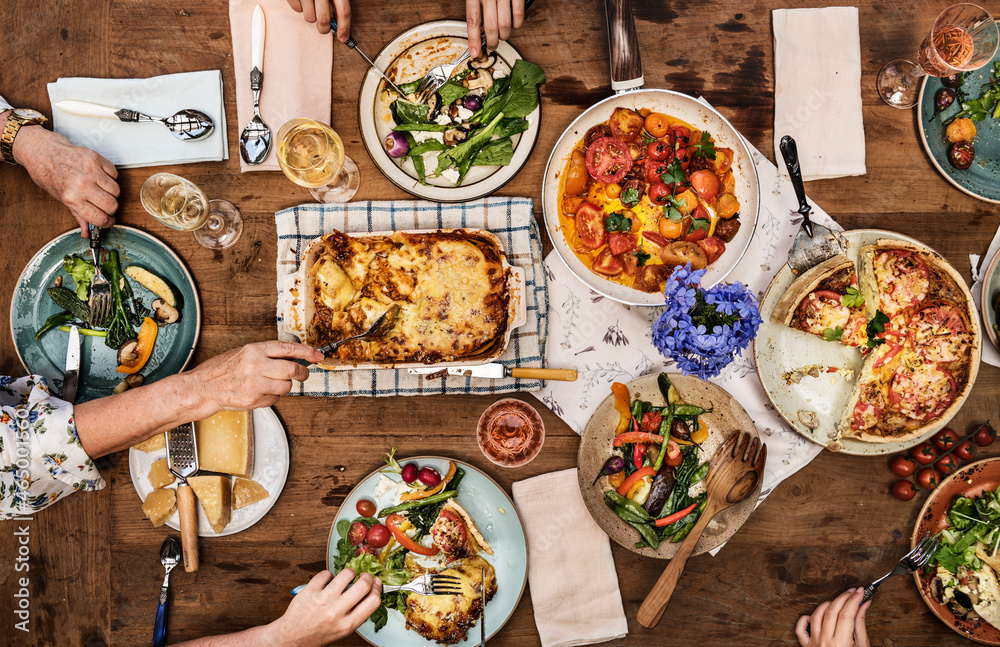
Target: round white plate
x=779 y=349
x=271 y=461
x=407 y=58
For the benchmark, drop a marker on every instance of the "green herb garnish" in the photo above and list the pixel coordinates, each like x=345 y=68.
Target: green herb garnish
x=640 y=257
x=853 y=298
x=875 y=327
x=617 y=222
x=675 y=174
x=706 y=147
x=833 y=334
x=630 y=197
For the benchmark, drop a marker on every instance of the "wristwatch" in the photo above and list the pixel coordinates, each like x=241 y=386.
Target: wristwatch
x=15 y=119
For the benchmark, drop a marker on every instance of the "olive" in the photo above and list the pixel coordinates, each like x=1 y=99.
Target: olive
x=961 y=154
x=952 y=80
x=944 y=98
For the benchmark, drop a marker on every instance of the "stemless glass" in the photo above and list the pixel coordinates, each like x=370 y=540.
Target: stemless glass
x=312 y=155
x=964 y=38
x=179 y=204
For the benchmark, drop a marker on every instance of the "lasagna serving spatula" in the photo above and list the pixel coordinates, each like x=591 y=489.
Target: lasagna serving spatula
x=814 y=243
x=182 y=459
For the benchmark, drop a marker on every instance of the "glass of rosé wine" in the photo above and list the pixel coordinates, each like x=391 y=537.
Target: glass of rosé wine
x=964 y=38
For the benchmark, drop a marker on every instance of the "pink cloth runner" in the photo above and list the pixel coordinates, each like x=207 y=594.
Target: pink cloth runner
x=298 y=66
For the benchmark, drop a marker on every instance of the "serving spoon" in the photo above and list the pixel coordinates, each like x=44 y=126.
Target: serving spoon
x=255 y=141
x=378 y=330
x=186 y=125
x=170 y=556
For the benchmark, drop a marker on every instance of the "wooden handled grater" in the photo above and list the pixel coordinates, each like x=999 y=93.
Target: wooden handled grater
x=182 y=457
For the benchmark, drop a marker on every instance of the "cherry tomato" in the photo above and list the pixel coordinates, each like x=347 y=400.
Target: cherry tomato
x=713 y=248
x=985 y=435
x=903 y=490
x=626 y=124
x=655 y=171
x=590 y=225
x=947 y=464
x=366 y=508
x=576 y=174
x=723 y=160
x=901 y=466
x=683 y=156
x=680 y=136
x=378 y=536
x=357 y=533
x=695 y=235
x=660 y=151
x=608 y=160
x=967 y=450
x=366 y=548
x=671 y=229
x=620 y=243
x=612 y=190
x=656 y=124
x=659 y=193
x=595 y=133
x=924 y=453
x=706 y=183
x=961 y=154
x=945 y=439
x=927 y=478
x=608 y=264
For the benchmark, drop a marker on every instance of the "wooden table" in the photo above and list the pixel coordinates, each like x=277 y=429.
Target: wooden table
x=94 y=570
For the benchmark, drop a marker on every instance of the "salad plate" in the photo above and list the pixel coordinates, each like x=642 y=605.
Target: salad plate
x=726 y=416
x=497 y=518
x=990 y=288
x=271 y=462
x=407 y=58
x=970 y=481
x=30 y=306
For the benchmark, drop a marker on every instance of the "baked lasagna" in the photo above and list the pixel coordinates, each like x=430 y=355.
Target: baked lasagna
x=451 y=286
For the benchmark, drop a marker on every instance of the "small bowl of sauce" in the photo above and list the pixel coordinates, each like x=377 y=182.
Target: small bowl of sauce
x=510 y=432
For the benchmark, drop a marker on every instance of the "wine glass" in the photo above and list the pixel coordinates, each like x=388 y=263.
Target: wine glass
x=964 y=38
x=312 y=155
x=179 y=204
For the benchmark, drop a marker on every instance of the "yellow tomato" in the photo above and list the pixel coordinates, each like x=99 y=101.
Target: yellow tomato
x=613 y=190
x=657 y=124
x=688 y=201
x=728 y=205
x=670 y=229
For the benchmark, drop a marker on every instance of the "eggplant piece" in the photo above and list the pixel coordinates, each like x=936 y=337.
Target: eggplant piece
x=679 y=429
x=663 y=484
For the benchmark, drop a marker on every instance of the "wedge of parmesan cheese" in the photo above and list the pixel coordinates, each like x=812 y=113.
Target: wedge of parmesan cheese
x=247 y=492
x=159 y=505
x=157 y=442
x=215 y=493
x=225 y=443
x=160 y=475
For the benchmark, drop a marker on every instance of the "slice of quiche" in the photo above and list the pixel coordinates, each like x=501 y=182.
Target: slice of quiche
x=826 y=301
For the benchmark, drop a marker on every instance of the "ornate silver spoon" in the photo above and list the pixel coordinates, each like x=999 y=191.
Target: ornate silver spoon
x=186 y=125
x=255 y=141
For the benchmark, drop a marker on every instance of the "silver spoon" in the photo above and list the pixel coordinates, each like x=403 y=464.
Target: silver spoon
x=255 y=141
x=186 y=125
x=170 y=556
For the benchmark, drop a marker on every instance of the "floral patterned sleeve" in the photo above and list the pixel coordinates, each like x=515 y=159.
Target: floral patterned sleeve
x=41 y=457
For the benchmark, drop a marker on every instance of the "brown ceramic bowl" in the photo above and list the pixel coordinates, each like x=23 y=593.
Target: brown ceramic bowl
x=726 y=417
x=970 y=481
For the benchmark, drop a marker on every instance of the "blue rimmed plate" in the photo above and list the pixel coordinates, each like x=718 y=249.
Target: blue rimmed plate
x=30 y=306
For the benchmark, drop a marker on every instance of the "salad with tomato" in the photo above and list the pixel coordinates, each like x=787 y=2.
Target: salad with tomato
x=651 y=480
x=643 y=193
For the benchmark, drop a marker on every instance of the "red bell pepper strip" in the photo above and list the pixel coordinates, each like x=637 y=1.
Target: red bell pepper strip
x=638 y=450
x=393 y=524
x=677 y=516
x=640 y=473
x=636 y=437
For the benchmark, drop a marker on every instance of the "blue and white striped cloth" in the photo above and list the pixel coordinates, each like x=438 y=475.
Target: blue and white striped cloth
x=510 y=219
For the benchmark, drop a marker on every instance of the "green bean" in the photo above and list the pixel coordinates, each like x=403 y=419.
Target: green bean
x=54 y=321
x=647 y=534
x=409 y=505
x=617 y=499
x=455 y=480
x=689 y=411
x=87 y=331
x=700 y=473
x=665 y=424
x=627 y=515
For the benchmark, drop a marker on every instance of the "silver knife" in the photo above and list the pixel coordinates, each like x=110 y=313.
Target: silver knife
x=497 y=370
x=71 y=378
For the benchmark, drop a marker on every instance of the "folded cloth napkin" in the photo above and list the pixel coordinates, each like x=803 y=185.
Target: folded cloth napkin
x=131 y=145
x=817 y=89
x=574 y=586
x=298 y=65
x=610 y=342
x=979 y=266
x=510 y=219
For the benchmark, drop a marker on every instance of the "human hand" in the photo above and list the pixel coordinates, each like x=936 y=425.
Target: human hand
x=318 y=11
x=837 y=623
x=495 y=17
x=251 y=376
x=78 y=177
x=327 y=610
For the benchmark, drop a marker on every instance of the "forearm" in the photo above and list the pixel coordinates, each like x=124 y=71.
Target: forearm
x=255 y=637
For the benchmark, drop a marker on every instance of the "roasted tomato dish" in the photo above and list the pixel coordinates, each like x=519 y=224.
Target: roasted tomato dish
x=643 y=193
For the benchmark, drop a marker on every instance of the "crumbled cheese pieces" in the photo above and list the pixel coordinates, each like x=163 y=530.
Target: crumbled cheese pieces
x=157 y=442
x=225 y=443
x=159 y=505
x=215 y=493
x=160 y=475
x=247 y=492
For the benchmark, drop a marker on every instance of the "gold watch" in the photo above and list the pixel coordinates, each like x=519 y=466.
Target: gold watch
x=15 y=119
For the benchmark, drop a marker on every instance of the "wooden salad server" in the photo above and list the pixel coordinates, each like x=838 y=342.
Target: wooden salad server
x=733 y=474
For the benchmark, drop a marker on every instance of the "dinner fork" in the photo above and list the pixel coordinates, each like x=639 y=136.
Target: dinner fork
x=430 y=584
x=100 y=288
x=910 y=562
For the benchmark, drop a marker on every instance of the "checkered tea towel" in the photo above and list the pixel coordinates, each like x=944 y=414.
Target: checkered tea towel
x=510 y=219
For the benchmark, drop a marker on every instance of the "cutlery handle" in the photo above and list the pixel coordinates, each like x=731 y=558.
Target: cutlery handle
x=626 y=64
x=561 y=374
x=790 y=152
x=189 y=526
x=257 y=39
x=87 y=109
x=160 y=626
x=656 y=601
x=95 y=236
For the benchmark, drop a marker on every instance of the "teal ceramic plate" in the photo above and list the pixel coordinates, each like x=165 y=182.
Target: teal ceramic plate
x=982 y=179
x=990 y=287
x=500 y=524
x=30 y=306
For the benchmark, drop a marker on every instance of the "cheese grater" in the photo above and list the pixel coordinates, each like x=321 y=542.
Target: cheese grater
x=182 y=459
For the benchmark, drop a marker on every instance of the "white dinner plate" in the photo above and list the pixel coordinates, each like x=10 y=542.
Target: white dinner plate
x=407 y=58
x=270 y=469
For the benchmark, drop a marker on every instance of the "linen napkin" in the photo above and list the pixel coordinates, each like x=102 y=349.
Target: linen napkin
x=817 y=89
x=298 y=65
x=607 y=341
x=510 y=219
x=132 y=145
x=979 y=266
x=574 y=585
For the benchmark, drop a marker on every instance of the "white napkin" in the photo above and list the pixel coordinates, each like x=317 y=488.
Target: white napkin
x=131 y=145
x=574 y=585
x=817 y=89
x=607 y=341
x=979 y=265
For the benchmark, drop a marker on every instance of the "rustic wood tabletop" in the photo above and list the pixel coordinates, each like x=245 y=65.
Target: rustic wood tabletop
x=94 y=568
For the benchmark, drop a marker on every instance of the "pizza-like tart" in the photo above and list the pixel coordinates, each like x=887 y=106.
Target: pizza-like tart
x=910 y=313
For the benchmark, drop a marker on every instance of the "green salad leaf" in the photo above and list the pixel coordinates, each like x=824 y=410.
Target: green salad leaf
x=515 y=95
x=409 y=113
x=82 y=273
x=495 y=153
x=451 y=91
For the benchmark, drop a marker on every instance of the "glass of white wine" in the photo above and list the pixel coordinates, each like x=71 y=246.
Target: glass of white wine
x=312 y=155
x=179 y=204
